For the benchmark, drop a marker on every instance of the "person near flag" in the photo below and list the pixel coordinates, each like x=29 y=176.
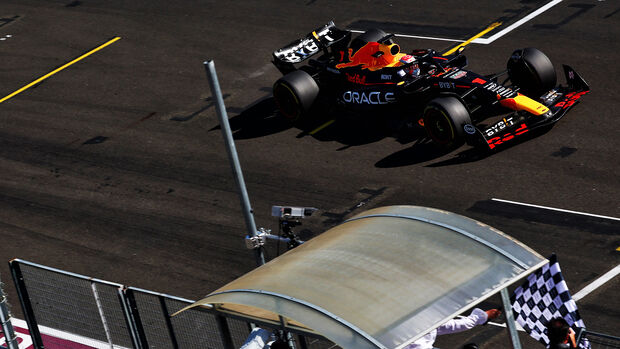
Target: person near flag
x=560 y=335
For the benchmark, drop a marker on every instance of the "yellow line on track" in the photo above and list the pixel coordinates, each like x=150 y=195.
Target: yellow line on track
x=321 y=127
x=488 y=29
x=59 y=69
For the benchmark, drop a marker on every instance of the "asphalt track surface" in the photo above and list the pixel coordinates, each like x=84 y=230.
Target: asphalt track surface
x=115 y=167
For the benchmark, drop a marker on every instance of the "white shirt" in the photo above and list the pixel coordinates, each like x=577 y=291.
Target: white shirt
x=258 y=339
x=477 y=317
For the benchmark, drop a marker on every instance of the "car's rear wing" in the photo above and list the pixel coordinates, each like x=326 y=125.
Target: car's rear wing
x=301 y=49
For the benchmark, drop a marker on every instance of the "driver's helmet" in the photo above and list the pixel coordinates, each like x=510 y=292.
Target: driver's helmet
x=413 y=67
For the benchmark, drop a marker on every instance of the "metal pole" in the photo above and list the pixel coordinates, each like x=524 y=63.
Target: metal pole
x=166 y=315
x=131 y=326
x=288 y=336
x=510 y=320
x=232 y=156
x=225 y=334
x=24 y=299
x=135 y=317
x=5 y=321
x=104 y=322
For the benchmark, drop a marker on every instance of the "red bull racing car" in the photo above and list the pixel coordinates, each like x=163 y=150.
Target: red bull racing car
x=369 y=73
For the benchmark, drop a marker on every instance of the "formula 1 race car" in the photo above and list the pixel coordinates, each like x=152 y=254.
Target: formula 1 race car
x=370 y=74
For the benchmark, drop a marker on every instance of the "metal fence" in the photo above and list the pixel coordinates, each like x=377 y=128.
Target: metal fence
x=112 y=315
x=602 y=341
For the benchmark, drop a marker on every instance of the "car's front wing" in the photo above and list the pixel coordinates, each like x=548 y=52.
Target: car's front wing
x=559 y=100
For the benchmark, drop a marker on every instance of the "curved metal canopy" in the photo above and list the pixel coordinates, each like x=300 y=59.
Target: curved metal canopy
x=383 y=278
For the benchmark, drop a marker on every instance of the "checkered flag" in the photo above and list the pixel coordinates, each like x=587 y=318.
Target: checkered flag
x=542 y=297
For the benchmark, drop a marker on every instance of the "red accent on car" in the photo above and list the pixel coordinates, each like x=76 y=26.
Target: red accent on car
x=479 y=81
x=443 y=72
x=495 y=141
x=361 y=80
x=508 y=136
x=356 y=78
x=508 y=102
x=570 y=99
x=521 y=130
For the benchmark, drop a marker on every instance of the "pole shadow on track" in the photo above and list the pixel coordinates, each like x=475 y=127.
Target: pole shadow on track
x=259 y=119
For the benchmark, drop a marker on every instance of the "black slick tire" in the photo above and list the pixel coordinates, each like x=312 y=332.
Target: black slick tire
x=294 y=94
x=444 y=120
x=532 y=71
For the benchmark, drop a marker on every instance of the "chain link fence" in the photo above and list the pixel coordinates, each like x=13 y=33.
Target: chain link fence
x=111 y=315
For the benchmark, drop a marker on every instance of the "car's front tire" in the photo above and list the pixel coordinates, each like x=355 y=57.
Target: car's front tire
x=294 y=94
x=532 y=71
x=444 y=121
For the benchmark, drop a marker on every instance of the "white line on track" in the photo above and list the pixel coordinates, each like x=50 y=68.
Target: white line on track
x=518 y=23
x=597 y=283
x=490 y=39
x=557 y=209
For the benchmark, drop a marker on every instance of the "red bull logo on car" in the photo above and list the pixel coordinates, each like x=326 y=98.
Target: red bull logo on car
x=374 y=56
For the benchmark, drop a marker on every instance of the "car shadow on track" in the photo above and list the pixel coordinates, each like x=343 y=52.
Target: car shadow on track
x=349 y=133
x=423 y=150
x=261 y=118
x=470 y=154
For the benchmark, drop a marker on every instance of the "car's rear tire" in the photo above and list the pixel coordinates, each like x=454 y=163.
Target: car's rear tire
x=444 y=120
x=532 y=71
x=371 y=35
x=294 y=94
